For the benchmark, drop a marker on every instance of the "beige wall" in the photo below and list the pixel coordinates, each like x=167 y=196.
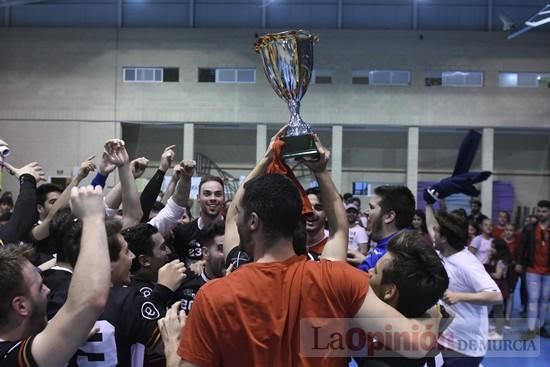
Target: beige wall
x=61 y=94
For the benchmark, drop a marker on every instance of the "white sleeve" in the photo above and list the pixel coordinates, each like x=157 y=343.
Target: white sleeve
x=478 y=278
x=362 y=236
x=109 y=212
x=476 y=242
x=168 y=217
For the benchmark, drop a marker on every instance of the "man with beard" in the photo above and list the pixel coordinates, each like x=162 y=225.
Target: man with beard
x=211 y=238
x=389 y=211
x=316 y=234
x=26 y=340
x=252 y=316
x=534 y=258
x=128 y=325
x=475 y=214
x=211 y=199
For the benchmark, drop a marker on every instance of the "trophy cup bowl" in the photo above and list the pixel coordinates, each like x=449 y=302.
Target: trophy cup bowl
x=287 y=58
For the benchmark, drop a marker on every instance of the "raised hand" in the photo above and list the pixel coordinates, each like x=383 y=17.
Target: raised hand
x=177 y=171
x=318 y=164
x=105 y=166
x=269 y=151
x=33 y=169
x=87 y=202
x=172 y=275
x=171 y=327
x=85 y=168
x=138 y=166
x=166 y=158
x=116 y=152
x=188 y=166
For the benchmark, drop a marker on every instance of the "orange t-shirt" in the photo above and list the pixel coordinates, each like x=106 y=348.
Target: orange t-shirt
x=542 y=237
x=252 y=317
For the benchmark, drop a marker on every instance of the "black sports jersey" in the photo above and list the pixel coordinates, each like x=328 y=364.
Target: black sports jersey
x=188 y=290
x=17 y=354
x=127 y=326
x=187 y=247
x=58 y=280
x=141 y=285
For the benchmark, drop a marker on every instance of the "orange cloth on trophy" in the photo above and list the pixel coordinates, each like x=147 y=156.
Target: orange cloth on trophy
x=278 y=166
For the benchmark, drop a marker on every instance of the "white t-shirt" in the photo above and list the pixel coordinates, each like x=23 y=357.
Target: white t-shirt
x=357 y=235
x=483 y=247
x=467 y=333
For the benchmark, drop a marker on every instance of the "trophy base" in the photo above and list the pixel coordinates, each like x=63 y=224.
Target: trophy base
x=300 y=146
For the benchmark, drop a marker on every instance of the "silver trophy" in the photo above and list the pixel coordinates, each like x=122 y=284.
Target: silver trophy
x=287 y=58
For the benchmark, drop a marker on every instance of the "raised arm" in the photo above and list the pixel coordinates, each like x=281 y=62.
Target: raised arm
x=337 y=244
x=377 y=317
x=42 y=230
x=176 y=175
x=117 y=155
x=24 y=213
x=170 y=215
x=231 y=236
x=152 y=189
x=431 y=221
x=89 y=288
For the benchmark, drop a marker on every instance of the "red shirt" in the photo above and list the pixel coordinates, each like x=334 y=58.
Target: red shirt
x=252 y=317
x=542 y=238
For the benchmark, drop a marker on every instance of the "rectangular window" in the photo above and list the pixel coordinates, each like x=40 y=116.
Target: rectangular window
x=454 y=78
x=321 y=76
x=524 y=80
x=382 y=77
x=227 y=75
x=149 y=74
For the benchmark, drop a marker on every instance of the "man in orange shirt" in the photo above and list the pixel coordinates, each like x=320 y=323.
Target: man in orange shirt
x=252 y=317
x=534 y=255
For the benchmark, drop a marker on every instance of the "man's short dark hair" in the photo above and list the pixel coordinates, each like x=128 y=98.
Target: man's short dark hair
x=277 y=202
x=209 y=178
x=476 y=201
x=314 y=191
x=43 y=190
x=417 y=272
x=12 y=282
x=113 y=228
x=65 y=232
x=140 y=242
x=399 y=199
x=454 y=228
x=211 y=230
x=544 y=204
x=7 y=199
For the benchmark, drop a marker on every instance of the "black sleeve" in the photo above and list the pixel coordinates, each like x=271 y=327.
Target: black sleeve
x=150 y=193
x=24 y=214
x=140 y=319
x=18 y=354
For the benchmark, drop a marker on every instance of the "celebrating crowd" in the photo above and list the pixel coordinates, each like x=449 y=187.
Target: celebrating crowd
x=126 y=279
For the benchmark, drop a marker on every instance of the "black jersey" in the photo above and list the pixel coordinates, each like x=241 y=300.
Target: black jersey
x=17 y=354
x=187 y=247
x=187 y=292
x=127 y=326
x=58 y=280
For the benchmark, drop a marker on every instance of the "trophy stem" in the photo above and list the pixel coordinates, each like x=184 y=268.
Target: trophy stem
x=296 y=126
